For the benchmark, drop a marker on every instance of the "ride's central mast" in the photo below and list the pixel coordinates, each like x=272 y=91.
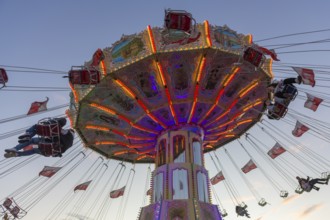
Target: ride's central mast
x=180 y=183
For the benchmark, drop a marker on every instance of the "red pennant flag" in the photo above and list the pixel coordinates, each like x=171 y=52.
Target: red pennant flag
x=217 y=178
x=98 y=56
x=117 y=193
x=49 y=171
x=269 y=52
x=3 y=76
x=249 y=166
x=312 y=102
x=307 y=75
x=149 y=192
x=299 y=130
x=276 y=151
x=82 y=186
x=38 y=107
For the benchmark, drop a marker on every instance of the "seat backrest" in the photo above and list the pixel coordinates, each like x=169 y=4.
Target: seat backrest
x=178 y=21
x=15 y=211
x=253 y=56
x=7 y=203
x=48 y=130
x=49 y=149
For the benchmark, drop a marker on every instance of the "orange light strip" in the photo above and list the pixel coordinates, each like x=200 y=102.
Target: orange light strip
x=95 y=127
x=228 y=79
x=75 y=95
x=249 y=39
x=161 y=73
x=207 y=33
x=248 y=107
x=151 y=39
x=146 y=151
x=102 y=128
x=218 y=118
x=111 y=143
x=231 y=76
x=125 y=88
x=103 y=108
x=124 y=152
x=130 y=92
x=244 y=91
x=104 y=70
x=144 y=156
x=149 y=114
x=108 y=110
x=69 y=117
x=200 y=69
x=243 y=122
x=167 y=92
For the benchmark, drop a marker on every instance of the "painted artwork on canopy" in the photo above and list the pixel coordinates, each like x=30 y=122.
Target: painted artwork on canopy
x=128 y=47
x=226 y=38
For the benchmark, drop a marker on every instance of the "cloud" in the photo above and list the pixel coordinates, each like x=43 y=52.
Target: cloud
x=290 y=199
x=311 y=209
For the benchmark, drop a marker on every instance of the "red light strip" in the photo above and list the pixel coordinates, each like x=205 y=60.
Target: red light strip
x=167 y=92
x=112 y=112
x=199 y=76
x=151 y=39
x=228 y=80
x=131 y=93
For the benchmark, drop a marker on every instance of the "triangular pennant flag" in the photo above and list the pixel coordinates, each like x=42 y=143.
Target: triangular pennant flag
x=276 y=151
x=249 y=166
x=82 y=186
x=307 y=75
x=271 y=53
x=48 y=171
x=299 y=130
x=217 y=178
x=312 y=102
x=38 y=107
x=117 y=193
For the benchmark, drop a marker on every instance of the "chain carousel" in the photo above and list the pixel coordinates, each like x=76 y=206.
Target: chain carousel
x=167 y=96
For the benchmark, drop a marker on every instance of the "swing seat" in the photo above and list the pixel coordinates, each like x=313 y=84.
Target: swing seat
x=299 y=190
x=98 y=56
x=224 y=213
x=50 y=149
x=7 y=203
x=178 y=20
x=279 y=111
x=3 y=76
x=84 y=77
x=48 y=129
x=262 y=202
x=15 y=211
x=243 y=205
x=253 y=56
x=284 y=194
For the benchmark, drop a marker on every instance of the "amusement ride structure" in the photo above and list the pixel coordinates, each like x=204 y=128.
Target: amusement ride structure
x=167 y=96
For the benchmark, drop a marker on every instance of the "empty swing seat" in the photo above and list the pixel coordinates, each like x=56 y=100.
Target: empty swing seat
x=262 y=202
x=7 y=203
x=178 y=20
x=84 y=77
x=299 y=190
x=253 y=56
x=284 y=194
x=224 y=213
